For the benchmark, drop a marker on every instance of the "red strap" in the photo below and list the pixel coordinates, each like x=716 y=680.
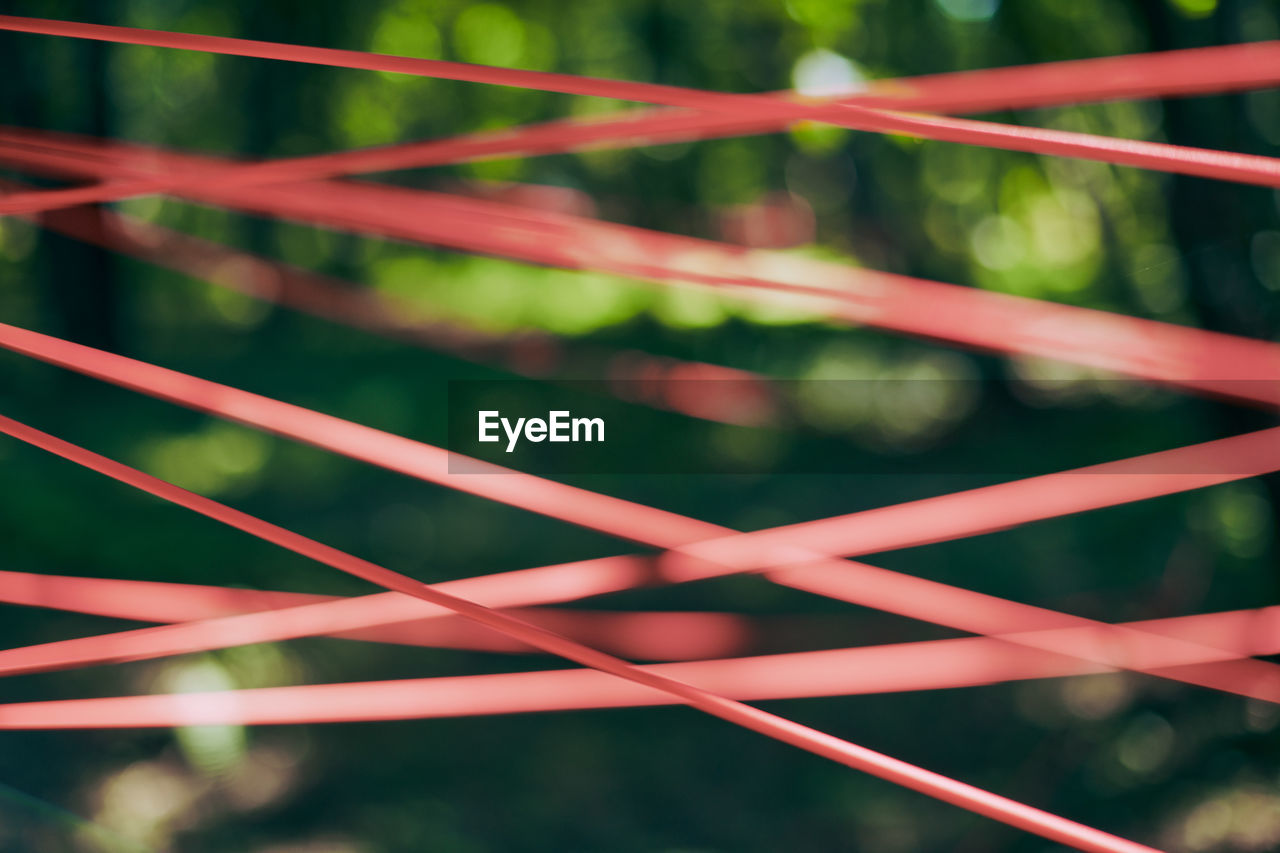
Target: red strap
x=910 y=776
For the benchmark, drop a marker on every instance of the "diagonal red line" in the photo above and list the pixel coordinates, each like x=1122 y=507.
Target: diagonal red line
x=809 y=570
x=819 y=743
x=1200 y=164
x=1208 y=362
x=1159 y=156
x=216 y=617
x=1219 y=636
x=615 y=516
x=1204 y=163
x=936 y=610
x=1197 y=71
x=649 y=635
x=1181 y=72
x=898 y=667
x=989 y=508
x=373 y=311
x=1093 y=643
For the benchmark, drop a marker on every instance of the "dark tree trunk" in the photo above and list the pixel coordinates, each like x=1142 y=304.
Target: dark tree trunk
x=1213 y=222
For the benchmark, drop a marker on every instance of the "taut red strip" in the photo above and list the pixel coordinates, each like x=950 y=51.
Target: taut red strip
x=1204 y=361
x=860 y=758
x=850 y=581
x=926 y=665
x=929 y=665
x=1211 y=164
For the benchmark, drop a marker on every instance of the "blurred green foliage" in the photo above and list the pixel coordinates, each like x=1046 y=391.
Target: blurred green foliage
x=1164 y=763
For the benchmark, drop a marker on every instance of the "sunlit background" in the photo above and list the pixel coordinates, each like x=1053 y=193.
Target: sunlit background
x=1173 y=765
